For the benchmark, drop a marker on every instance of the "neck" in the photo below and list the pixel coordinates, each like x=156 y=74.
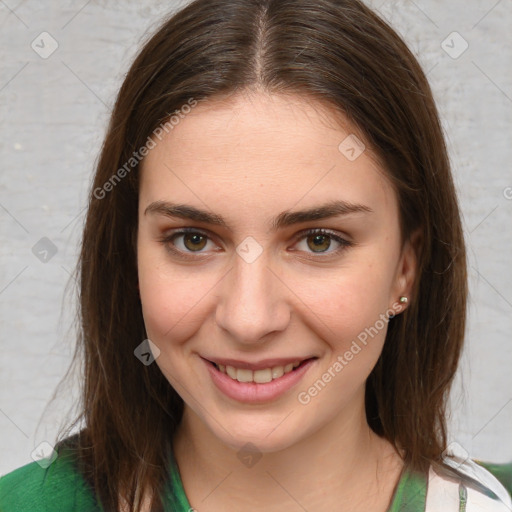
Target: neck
x=345 y=460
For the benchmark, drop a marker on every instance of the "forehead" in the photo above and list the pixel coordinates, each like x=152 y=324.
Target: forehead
x=254 y=150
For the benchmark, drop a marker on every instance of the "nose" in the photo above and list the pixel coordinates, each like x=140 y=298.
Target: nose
x=253 y=302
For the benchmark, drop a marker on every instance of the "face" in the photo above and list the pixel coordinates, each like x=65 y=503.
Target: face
x=267 y=251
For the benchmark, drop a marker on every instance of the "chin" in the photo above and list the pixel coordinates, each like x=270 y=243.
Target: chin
x=263 y=437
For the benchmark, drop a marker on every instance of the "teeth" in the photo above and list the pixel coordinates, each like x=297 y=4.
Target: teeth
x=258 y=376
x=262 y=376
x=277 y=372
x=243 y=375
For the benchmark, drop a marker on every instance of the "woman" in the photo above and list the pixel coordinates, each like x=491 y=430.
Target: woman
x=272 y=279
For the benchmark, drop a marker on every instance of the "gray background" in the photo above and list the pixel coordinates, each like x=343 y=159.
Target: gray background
x=53 y=115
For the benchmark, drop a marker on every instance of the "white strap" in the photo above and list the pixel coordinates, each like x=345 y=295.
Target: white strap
x=442 y=494
x=444 y=491
x=474 y=471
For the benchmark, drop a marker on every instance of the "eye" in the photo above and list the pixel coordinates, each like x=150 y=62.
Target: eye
x=186 y=240
x=319 y=241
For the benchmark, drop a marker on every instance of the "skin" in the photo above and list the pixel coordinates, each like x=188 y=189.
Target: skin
x=248 y=158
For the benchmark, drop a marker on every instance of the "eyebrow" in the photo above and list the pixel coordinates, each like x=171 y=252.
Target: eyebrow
x=284 y=219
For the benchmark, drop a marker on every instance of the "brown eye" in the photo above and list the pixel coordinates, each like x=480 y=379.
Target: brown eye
x=187 y=241
x=194 y=241
x=319 y=243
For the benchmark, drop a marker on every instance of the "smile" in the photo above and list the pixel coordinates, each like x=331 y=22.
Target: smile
x=258 y=376
x=264 y=382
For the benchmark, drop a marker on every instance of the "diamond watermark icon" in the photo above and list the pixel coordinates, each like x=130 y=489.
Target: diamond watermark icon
x=147 y=352
x=44 y=454
x=44 y=45
x=249 y=455
x=249 y=249
x=454 y=45
x=456 y=453
x=44 y=250
x=351 y=147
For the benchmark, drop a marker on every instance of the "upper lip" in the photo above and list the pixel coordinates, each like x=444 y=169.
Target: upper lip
x=259 y=365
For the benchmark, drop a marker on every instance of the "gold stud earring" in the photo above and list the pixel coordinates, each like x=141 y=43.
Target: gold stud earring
x=403 y=299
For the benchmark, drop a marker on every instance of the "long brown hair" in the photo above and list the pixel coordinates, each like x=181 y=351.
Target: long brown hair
x=335 y=51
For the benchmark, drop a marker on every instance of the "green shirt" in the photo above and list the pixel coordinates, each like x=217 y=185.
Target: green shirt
x=60 y=486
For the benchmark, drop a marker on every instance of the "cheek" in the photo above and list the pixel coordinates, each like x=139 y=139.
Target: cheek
x=348 y=311
x=350 y=316
x=173 y=301
x=349 y=300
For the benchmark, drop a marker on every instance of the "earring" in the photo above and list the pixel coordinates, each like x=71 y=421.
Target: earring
x=403 y=299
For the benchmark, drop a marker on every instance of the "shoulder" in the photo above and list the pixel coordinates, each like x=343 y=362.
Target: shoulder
x=37 y=488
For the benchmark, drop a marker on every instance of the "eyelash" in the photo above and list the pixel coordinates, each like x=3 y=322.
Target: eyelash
x=167 y=241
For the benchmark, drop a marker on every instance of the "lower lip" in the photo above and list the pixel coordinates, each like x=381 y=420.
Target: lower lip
x=252 y=392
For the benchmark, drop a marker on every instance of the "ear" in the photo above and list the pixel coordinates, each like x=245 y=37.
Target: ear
x=407 y=268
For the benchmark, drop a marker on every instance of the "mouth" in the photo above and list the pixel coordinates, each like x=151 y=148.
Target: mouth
x=257 y=382
x=261 y=376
